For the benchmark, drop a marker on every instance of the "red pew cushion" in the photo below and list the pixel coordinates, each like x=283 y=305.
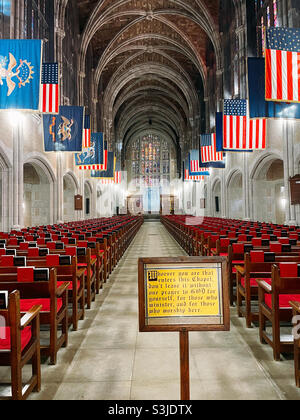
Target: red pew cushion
x=26 y=304
x=59 y=283
x=288 y=269
x=283 y=300
x=5 y=343
x=7 y=261
x=253 y=282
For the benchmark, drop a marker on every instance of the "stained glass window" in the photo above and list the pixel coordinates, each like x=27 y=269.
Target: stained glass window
x=275 y=10
x=150 y=160
x=267 y=16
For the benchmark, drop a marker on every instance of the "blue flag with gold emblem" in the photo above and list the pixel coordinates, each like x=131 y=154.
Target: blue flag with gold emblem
x=63 y=132
x=94 y=155
x=111 y=167
x=20 y=74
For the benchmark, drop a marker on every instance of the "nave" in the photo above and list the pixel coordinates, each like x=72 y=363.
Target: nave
x=108 y=359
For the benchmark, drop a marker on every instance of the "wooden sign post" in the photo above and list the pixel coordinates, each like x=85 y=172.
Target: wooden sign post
x=183 y=294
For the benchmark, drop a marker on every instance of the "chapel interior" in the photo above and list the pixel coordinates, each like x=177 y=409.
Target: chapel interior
x=152 y=76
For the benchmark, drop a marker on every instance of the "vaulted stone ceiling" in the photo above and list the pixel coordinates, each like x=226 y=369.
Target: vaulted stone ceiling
x=150 y=59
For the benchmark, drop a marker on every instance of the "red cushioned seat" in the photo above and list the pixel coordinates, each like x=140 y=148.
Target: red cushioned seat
x=283 y=300
x=5 y=343
x=288 y=269
x=26 y=304
x=236 y=262
x=59 y=283
x=223 y=254
x=257 y=256
x=84 y=265
x=253 y=282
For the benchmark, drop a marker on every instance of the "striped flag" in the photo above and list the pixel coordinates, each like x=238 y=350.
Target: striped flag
x=283 y=64
x=235 y=124
x=188 y=177
x=257 y=134
x=87 y=132
x=194 y=161
x=103 y=167
x=107 y=181
x=208 y=144
x=194 y=164
x=49 y=89
x=118 y=177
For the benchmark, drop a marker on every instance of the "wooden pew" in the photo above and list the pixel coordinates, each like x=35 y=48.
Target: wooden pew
x=67 y=273
x=20 y=344
x=274 y=306
x=258 y=264
x=52 y=299
x=296 y=312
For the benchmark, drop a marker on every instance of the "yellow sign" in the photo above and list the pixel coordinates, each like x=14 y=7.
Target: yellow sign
x=183 y=292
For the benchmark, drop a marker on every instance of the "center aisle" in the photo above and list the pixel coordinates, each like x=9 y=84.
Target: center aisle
x=108 y=359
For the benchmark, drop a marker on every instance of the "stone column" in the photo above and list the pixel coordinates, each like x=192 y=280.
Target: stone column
x=246 y=186
x=18 y=174
x=224 y=200
x=289 y=169
x=219 y=76
x=81 y=77
x=81 y=213
x=60 y=187
x=60 y=34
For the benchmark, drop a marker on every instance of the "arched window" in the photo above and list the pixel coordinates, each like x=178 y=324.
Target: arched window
x=150 y=160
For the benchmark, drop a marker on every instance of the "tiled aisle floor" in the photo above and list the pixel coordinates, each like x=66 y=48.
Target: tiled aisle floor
x=108 y=359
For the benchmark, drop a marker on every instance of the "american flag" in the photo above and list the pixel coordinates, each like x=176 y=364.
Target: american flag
x=194 y=164
x=49 y=89
x=118 y=177
x=209 y=152
x=257 y=134
x=188 y=177
x=235 y=124
x=283 y=64
x=90 y=167
x=87 y=132
x=107 y=181
x=105 y=157
x=194 y=161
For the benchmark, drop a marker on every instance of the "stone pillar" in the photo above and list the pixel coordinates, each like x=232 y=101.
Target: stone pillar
x=289 y=169
x=242 y=57
x=18 y=175
x=60 y=34
x=60 y=187
x=246 y=186
x=220 y=95
x=81 y=77
x=224 y=199
x=94 y=115
x=81 y=213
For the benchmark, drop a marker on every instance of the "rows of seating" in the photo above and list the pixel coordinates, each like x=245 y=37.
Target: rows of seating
x=51 y=275
x=263 y=270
